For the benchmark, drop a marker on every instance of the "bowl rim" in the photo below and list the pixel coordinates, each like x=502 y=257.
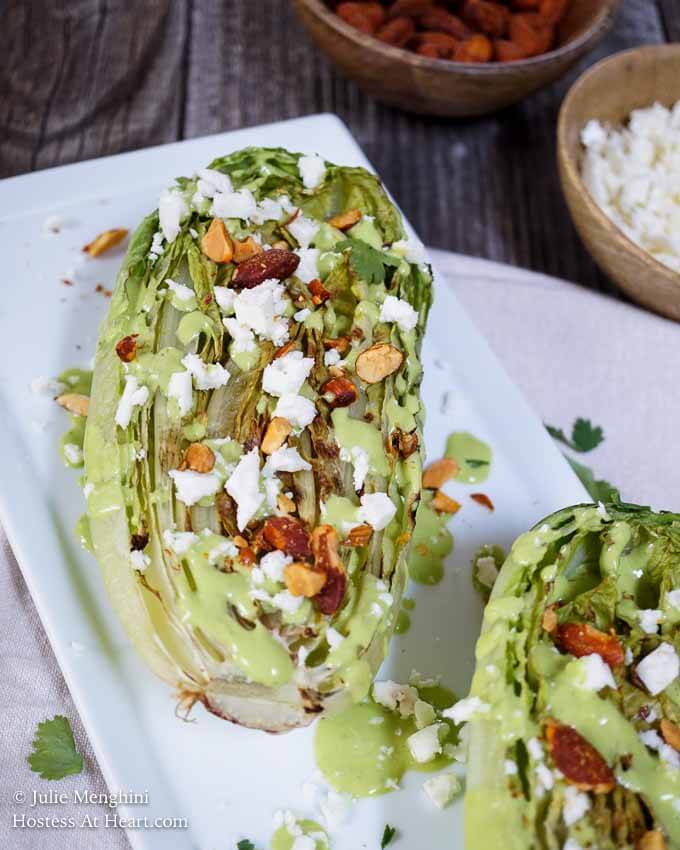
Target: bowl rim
x=599 y=25
x=569 y=164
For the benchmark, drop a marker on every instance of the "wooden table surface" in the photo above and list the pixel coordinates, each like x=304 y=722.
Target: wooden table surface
x=85 y=78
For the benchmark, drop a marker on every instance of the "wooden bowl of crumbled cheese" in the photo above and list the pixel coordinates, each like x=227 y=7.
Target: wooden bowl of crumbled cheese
x=619 y=159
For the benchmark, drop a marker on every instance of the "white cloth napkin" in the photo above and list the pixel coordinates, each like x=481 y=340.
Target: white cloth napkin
x=573 y=353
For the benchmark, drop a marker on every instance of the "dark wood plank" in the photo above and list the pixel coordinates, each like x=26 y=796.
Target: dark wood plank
x=88 y=78
x=670 y=15
x=487 y=187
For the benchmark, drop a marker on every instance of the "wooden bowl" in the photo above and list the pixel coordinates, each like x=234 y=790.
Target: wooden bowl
x=609 y=92
x=441 y=87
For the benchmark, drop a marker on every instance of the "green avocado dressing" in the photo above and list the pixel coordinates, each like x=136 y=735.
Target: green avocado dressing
x=283 y=838
x=403 y=623
x=206 y=598
x=432 y=542
x=353 y=432
x=77 y=380
x=192 y=325
x=472 y=456
x=71 y=442
x=364 y=751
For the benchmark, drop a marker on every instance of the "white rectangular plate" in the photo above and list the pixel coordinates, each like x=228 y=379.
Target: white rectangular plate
x=226 y=780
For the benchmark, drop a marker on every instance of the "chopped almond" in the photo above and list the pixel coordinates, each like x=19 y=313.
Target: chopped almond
x=75 y=403
x=483 y=500
x=319 y=292
x=340 y=344
x=580 y=639
x=247 y=556
x=289 y=535
x=578 y=760
x=378 y=362
x=276 y=435
x=217 y=244
x=291 y=345
x=403 y=538
x=285 y=504
x=444 y=504
x=240 y=542
x=439 y=473
x=126 y=348
x=360 y=535
x=105 y=240
x=671 y=734
x=345 y=220
x=324 y=545
x=339 y=392
x=303 y=579
x=549 y=621
x=651 y=840
x=246 y=249
x=199 y=458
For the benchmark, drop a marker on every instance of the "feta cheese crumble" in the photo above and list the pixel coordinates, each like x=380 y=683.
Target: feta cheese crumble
x=658 y=669
x=576 y=804
x=303 y=229
x=332 y=358
x=172 y=210
x=139 y=561
x=358 y=457
x=425 y=744
x=649 y=620
x=179 y=542
x=377 y=510
x=285 y=459
x=180 y=389
x=259 y=310
x=312 y=169
x=397 y=310
x=632 y=173
x=207 y=376
x=466 y=709
x=193 y=486
x=394 y=696
x=133 y=396
x=594 y=673
x=308 y=268
x=442 y=789
x=412 y=250
x=243 y=485
x=287 y=374
x=297 y=409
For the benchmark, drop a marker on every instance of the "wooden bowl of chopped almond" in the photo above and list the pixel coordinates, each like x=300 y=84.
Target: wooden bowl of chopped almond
x=618 y=137
x=455 y=57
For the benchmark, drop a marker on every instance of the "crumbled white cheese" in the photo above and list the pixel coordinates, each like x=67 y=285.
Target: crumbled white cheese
x=156 y=248
x=243 y=486
x=179 y=541
x=260 y=310
x=287 y=374
x=649 y=620
x=510 y=768
x=442 y=789
x=654 y=741
x=335 y=809
x=243 y=339
x=487 y=571
x=88 y=489
x=211 y=181
x=673 y=599
x=285 y=459
x=303 y=229
x=192 y=486
x=297 y=409
x=225 y=549
x=658 y=669
x=207 y=376
x=377 y=509
x=594 y=673
x=358 y=457
x=308 y=268
x=628 y=657
x=545 y=777
x=535 y=749
x=180 y=389
x=240 y=204
x=331 y=357
x=225 y=299
x=632 y=173
x=267 y=210
x=576 y=804
x=425 y=713
x=182 y=292
x=53 y=223
x=285 y=601
x=301 y=315
x=312 y=169
x=139 y=560
x=466 y=709
x=133 y=396
x=73 y=453
x=397 y=310
x=412 y=250
x=172 y=210
x=571 y=844
x=333 y=637
x=392 y=695
x=424 y=745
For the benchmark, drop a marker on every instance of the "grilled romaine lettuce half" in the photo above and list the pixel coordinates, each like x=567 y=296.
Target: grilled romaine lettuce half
x=253 y=443
x=575 y=702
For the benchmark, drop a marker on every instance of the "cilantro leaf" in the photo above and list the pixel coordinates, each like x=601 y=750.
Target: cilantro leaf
x=54 y=753
x=245 y=844
x=388 y=835
x=368 y=263
x=584 y=435
x=599 y=490
x=475 y=463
